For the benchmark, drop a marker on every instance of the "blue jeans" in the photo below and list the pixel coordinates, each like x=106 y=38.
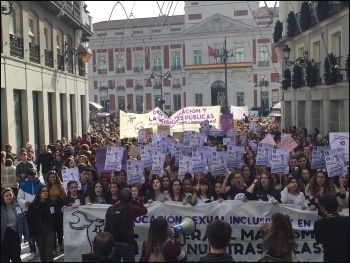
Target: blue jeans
x=123 y=251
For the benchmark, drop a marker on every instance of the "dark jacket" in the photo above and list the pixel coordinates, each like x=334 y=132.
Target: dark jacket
x=35 y=217
x=216 y=257
x=46 y=160
x=95 y=258
x=333 y=234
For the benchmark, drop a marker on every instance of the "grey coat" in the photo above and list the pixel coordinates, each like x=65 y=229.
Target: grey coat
x=22 y=226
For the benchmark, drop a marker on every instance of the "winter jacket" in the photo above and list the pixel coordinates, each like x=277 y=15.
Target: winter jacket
x=216 y=257
x=22 y=226
x=27 y=192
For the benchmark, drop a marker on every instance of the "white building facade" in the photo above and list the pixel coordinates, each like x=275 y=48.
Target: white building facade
x=325 y=107
x=44 y=91
x=126 y=52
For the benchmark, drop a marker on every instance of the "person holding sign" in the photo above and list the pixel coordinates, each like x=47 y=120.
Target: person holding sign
x=343 y=194
x=176 y=192
x=264 y=190
x=155 y=193
x=202 y=193
x=237 y=188
x=292 y=195
x=97 y=196
x=74 y=198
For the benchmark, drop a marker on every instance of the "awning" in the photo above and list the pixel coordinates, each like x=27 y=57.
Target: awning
x=277 y=106
x=272 y=114
x=102 y=114
x=95 y=105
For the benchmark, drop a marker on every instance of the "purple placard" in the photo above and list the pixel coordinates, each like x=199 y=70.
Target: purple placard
x=101 y=157
x=226 y=121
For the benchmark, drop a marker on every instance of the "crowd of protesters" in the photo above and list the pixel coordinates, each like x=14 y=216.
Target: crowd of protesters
x=302 y=186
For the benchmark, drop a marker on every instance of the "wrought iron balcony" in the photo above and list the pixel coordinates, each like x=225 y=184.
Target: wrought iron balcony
x=16 y=46
x=48 y=58
x=138 y=87
x=120 y=70
x=70 y=66
x=176 y=86
x=157 y=68
x=138 y=69
x=102 y=71
x=176 y=67
x=264 y=63
x=60 y=62
x=34 y=53
x=156 y=86
x=120 y=87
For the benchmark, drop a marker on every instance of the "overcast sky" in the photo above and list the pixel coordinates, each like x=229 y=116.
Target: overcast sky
x=101 y=10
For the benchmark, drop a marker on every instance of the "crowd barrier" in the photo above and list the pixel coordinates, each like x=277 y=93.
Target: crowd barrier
x=82 y=224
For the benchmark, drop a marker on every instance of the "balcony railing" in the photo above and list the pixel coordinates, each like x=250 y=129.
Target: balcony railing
x=138 y=87
x=102 y=71
x=60 y=62
x=120 y=70
x=176 y=86
x=16 y=46
x=70 y=66
x=34 y=53
x=176 y=67
x=264 y=63
x=318 y=74
x=156 y=86
x=157 y=68
x=48 y=58
x=138 y=69
x=120 y=87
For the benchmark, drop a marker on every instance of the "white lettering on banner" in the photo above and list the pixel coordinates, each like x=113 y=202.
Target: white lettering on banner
x=82 y=224
x=188 y=118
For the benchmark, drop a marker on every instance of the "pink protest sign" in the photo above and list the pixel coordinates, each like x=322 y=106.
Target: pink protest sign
x=287 y=143
x=268 y=140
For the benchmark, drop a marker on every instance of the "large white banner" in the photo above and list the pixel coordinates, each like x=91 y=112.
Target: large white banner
x=186 y=119
x=82 y=224
x=238 y=112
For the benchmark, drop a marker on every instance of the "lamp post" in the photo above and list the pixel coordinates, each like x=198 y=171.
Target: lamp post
x=302 y=61
x=8 y=8
x=224 y=53
x=161 y=76
x=262 y=84
x=102 y=88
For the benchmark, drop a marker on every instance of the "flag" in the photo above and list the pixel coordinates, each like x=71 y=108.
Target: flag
x=211 y=52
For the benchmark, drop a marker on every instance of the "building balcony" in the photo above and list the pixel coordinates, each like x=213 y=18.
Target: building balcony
x=176 y=86
x=176 y=67
x=138 y=87
x=70 y=65
x=138 y=69
x=34 y=53
x=102 y=71
x=264 y=63
x=157 y=86
x=60 y=62
x=48 y=58
x=16 y=46
x=120 y=87
x=157 y=68
x=120 y=70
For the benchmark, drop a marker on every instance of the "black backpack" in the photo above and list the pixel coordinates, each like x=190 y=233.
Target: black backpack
x=116 y=223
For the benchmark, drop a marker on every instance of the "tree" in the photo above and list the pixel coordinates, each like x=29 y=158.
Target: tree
x=330 y=73
x=311 y=74
x=304 y=17
x=292 y=26
x=287 y=76
x=277 y=34
x=322 y=10
x=297 y=77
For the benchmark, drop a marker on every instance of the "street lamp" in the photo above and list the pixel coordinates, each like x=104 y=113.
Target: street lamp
x=261 y=84
x=302 y=61
x=224 y=54
x=169 y=77
x=105 y=88
x=8 y=8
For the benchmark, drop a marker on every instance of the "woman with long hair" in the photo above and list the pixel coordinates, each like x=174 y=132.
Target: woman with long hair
x=292 y=195
x=304 y=179
x=13 y=226
x=42 y=218
x=69 y=163
x=161 y=246
x=248 y=175
x=155 y=192
x=237 y=187
x=202 y=194
x=216 y=191
x=278 y=239
x=97 y=196
x=57 y=194
x=263 y=190
x=136 y=195
x=74 y=197
x=113 y=193
x=165 y=182
x=176 y=192
x=342 y=183
x=319 y=185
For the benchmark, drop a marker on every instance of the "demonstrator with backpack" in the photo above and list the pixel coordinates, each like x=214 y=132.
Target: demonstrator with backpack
x=120 y=223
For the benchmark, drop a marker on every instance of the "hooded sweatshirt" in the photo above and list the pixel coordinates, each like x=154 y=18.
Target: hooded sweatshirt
x=27 y=192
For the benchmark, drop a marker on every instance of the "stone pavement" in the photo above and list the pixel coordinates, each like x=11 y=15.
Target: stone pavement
x=25 y=254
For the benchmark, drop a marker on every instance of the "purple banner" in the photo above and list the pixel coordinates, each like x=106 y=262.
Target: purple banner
x=226 y=121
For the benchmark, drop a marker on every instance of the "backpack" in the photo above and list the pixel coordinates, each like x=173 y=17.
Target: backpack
x=156 y=256
x=116 y=223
